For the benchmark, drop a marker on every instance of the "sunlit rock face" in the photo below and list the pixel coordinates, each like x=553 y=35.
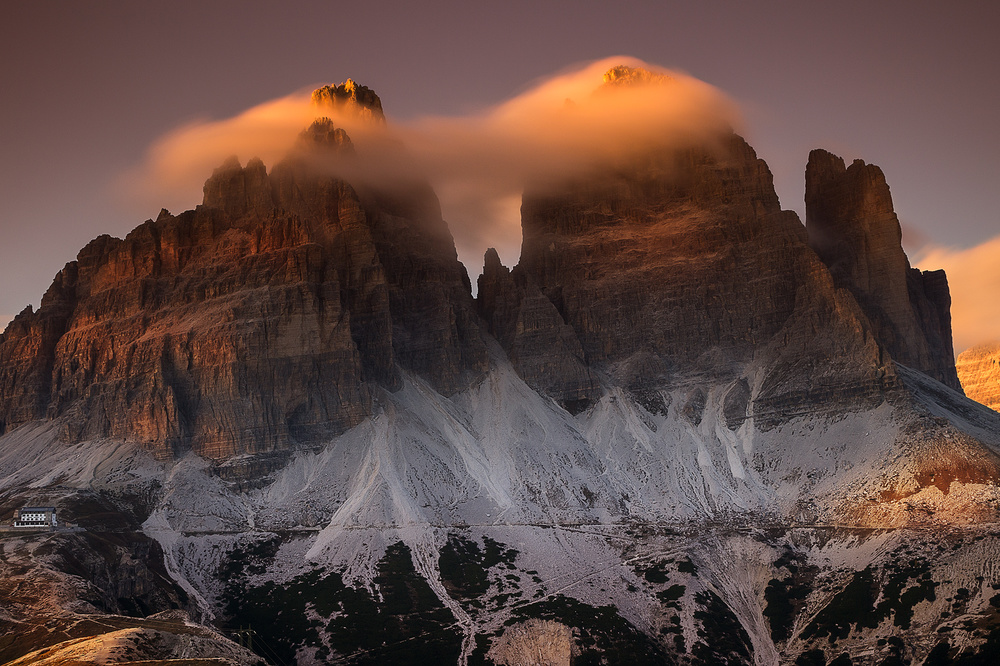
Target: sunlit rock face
x=260 y=321
x=625 y=76
x=979 y=371
x=266 y=318
x=350 y=98
x=853 y=228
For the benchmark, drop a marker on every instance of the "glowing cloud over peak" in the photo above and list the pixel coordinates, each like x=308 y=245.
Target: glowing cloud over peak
x=561 y=127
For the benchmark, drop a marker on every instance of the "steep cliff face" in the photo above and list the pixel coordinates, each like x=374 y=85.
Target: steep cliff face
x=683 y=266
x=853 y=228
x=262 y=320
x=545 y=349
x=979 y=371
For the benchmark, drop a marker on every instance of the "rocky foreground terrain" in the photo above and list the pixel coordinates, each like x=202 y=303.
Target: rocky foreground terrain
x=684 y=428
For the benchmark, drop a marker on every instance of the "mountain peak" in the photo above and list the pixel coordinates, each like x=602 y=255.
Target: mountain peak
x=323 y=134
x=351 y=98
x=628 y=76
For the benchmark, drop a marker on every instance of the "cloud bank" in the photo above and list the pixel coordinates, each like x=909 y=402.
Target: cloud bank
x=974 y=279
x=478 y=163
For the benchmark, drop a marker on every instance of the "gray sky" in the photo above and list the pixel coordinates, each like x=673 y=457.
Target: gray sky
x=87 y=88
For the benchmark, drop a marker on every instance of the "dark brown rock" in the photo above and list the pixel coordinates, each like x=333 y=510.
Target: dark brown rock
x=240 y=191
x=543 y=348
x=681 y=267
x=853 y=228
x=436 y=331
x=667 y=257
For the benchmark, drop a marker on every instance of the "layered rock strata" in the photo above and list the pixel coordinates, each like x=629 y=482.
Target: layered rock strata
x=853 y=228
x=262 y=320
x=979 y=372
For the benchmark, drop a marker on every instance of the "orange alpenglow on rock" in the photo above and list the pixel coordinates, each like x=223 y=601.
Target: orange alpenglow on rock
x=350 y=98
x=623 y=75
x=979 y=372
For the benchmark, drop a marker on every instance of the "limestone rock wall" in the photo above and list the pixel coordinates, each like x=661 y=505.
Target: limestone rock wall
x=682 y=265
x=853 y=228
x=272 y=315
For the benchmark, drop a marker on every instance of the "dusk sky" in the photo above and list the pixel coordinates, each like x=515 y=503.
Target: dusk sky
x=87 y=89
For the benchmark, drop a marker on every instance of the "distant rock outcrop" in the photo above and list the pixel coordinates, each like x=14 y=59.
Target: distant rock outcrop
x=979 y=372
x=535 y=642
x=853 y=228
x=542 y=346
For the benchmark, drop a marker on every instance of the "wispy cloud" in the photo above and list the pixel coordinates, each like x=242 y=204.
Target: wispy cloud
x=478 y=163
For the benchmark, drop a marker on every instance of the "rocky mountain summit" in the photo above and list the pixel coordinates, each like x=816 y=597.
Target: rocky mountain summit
x=684 y=429
x=665 y=278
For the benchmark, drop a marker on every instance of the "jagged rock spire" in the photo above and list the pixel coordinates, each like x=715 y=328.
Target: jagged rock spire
x=350 y=98
x=853 y=228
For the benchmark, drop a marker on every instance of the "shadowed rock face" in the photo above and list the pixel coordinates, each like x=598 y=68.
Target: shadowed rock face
x=682 y=266
x=262 y=320
x=853 y=228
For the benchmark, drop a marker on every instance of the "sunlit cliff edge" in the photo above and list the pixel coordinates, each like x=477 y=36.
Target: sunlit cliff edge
x=979 y=370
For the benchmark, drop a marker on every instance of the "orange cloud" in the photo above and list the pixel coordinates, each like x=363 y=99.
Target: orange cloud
x=561 y=127
x=477 y=163
x=177 y=165
x=974 y=278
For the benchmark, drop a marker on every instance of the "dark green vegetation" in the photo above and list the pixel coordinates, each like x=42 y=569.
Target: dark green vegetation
x=687 y=566
x=818 y=658
x=855 y=606
x=671 y=595
x=987 y=654
x=657 y=573
x=786 y=597
x=317 y=611
x=465 y=567
x=722 y=639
